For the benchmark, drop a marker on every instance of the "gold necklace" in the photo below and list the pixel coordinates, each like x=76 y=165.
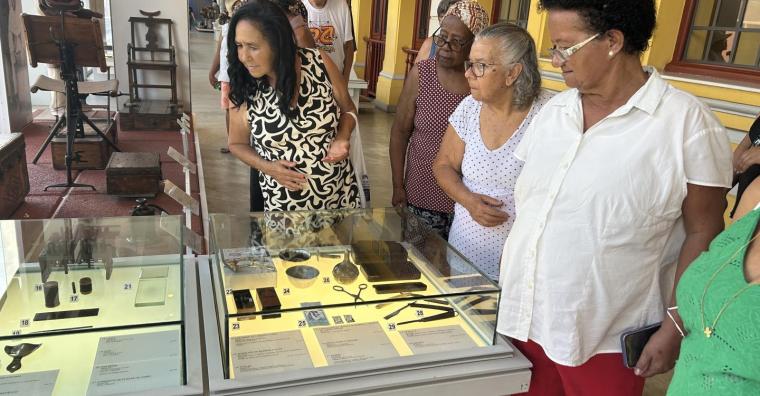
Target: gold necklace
x=709 y=330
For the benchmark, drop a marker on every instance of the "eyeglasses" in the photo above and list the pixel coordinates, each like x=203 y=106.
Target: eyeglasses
x=478 y=68
x=564 y=54
x=454 y=44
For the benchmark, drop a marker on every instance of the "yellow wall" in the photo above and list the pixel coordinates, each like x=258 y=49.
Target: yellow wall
x=361 y=11
x=398 y=35
x=663 y=43
x=660 y=53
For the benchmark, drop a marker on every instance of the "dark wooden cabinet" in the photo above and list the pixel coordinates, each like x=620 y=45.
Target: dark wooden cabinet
x=133 y=174
x=14 y=176
x=150 y=115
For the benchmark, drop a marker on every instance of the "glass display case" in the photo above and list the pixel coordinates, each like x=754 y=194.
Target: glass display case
x=92 y=306
x=303 y=295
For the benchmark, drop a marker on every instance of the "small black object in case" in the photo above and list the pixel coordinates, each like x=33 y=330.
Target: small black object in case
x=633 y=342
x=243 y=301
x=71 y=314
x=469 y=281
x=384 y=261
x=269 y=302
x=51 y=294
x=386 y=288
x=85 y=285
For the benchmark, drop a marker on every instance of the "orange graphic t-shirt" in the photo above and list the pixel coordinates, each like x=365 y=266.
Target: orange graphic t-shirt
x=331 y=28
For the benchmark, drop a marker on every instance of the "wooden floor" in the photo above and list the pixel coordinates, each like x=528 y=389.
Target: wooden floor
x=227 y=179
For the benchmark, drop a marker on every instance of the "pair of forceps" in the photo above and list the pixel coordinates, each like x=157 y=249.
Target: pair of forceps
x=357 y=297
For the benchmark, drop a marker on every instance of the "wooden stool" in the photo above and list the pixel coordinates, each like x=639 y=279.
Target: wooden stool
x=133 y=174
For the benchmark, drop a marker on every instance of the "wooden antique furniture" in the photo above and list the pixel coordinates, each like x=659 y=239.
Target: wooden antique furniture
x=14 y=177
x=70 y=42
x=91 y=150
x=133 y=174
x=145 y=54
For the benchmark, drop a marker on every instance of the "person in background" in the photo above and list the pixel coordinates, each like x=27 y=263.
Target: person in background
x=718 y=299
x=428 y=48
x=432 y=90
x=624 y=184
x=292 y=105
x=475 y=165
x=747 y=161
x=217 y=74
x=332 y=28
x=191 y=19
x=298 y=18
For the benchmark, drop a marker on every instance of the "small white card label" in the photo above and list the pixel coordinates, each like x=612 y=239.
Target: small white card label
x=177 y=156
x=181 y=197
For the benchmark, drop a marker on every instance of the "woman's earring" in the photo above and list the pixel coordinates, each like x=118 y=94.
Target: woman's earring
x=611 y=53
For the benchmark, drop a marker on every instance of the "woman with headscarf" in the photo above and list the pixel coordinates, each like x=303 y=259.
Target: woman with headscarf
x=475 y=165
x=428 y=48
x=432 y=90
x=623 y=186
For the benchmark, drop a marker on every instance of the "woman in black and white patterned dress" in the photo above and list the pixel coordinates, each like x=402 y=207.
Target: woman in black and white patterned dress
x=293 y=107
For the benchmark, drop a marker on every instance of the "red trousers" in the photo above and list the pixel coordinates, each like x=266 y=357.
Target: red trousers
x=602 y=375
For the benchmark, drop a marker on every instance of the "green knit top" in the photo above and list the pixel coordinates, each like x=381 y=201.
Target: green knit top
x=727 y=363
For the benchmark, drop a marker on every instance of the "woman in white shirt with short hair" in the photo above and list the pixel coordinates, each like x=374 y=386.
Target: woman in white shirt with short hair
x=623 y=186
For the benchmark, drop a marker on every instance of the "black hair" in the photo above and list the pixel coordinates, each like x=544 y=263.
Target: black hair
x=271 y=21
x=635 y=18
x=294 y=7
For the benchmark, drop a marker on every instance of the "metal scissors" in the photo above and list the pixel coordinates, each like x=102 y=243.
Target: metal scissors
x=357 y=296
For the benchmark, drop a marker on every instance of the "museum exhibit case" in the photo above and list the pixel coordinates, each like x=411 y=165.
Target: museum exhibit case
x=348 y=301
x=98 y=306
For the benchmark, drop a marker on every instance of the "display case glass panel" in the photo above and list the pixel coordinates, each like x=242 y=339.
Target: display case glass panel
x=297 y=290
x=91 y=306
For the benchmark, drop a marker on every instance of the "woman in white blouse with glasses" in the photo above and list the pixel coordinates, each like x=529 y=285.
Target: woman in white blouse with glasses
x=623 y=186
x=475 y=165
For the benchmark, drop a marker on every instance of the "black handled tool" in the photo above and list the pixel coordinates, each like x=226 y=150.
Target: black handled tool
x=444 y=315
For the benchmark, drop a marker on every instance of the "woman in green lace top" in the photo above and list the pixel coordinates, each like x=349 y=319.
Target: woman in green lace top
x=719 y=302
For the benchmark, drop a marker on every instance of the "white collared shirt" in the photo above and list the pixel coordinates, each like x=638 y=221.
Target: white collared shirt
x=599 y=226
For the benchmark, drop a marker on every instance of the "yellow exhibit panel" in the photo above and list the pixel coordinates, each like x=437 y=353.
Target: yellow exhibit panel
x=319 y=289
x=92 y=306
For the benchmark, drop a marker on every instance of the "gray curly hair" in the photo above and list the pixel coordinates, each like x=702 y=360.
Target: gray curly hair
x=515 y=45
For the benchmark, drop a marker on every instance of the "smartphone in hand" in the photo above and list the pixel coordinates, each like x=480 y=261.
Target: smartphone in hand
x=633 y=342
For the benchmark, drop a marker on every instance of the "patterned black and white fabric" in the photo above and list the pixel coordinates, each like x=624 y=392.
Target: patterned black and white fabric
x=305 y=140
